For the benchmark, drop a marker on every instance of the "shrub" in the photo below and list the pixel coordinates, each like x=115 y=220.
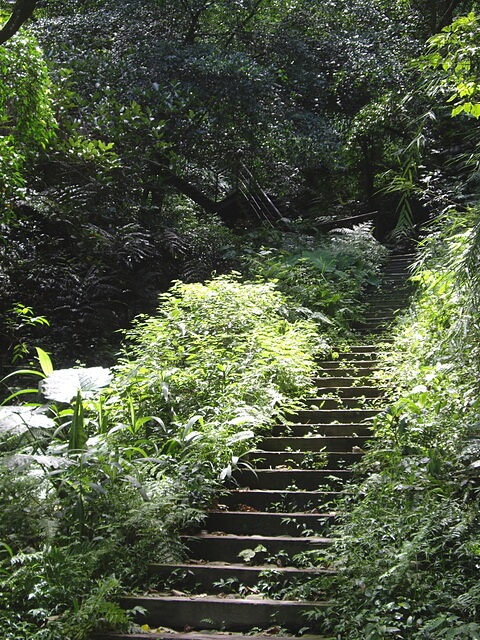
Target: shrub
x=225 y=352
x=323 y=275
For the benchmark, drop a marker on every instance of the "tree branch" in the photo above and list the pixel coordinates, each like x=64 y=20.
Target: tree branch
x=447 y=17
x=244 y=22
x=21 y=12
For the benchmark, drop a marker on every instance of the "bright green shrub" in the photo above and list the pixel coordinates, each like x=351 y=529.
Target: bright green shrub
x=223 y=351
x=325 y=275
x=193 y=386
x=26 y=117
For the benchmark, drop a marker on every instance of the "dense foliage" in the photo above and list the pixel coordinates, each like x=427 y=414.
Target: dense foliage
x=89 y=474
x=156 y=98
x=108 y=463
x=409 y=546
x=142 y=143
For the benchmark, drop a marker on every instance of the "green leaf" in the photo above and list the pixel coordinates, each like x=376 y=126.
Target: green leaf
x=17 y=420
x=78 y=436
x=62 y=385
x=45 y=361
x=240 y=436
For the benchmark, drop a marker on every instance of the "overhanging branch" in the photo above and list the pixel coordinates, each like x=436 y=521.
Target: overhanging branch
x=22 y=11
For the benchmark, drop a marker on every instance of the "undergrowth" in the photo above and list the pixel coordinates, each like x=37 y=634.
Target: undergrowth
x=407 y=551
x=102 y=469
x=98 y=481
x=326 y=275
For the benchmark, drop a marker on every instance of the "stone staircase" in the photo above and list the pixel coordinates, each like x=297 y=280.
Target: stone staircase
x=269 y=534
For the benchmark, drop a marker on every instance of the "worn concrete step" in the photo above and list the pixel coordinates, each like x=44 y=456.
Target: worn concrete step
x=367 y=331
x=385 y=300
x=327 y=416
x=400 y=258
x=394 y=284
x=212 y=577
x=269 y=524
x=370 y=348
x=303 y=460
x=341 y=365
x=352 y=356
x=400 y=272
x=351 y=392
x=323 y=402
x=315 y=430
x=397 y=272
x=302 y=479
x=399 y=267
x=385 y=318
x=316 y=442
x=279 y=500
x=379 y=314
x=229 y=547
x=348 y=372
x=172 y=635
x=337 y=381
x=200 y=612
x=371 y=323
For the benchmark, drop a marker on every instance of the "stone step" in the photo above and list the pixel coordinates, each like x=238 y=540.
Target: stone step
x=172 y=635
x=337 y=430
x=315 y=442
x=279 y=500
x=328 y=416
x=357 y=352
x=400 y=269
x=302 y=479
x=352 y=392
x=200 y=612
x=408 y=259
x=322 y=402
x=269 y=524
x=304 y=460
x=334 y=381
x=394 y=284
x=384 y=299
x=400 y=275
x=347 y=372
x=229 y=547
x=379 y=314
x=364 y=348
x=334 y=429
x=341 y=365
x=354 y=356
x=370 y=330
x=371 y=323
x=210 y=577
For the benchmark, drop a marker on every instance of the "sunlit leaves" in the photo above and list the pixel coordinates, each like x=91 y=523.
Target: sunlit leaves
x=26 y=117
x=222 y=349
x=454 y=54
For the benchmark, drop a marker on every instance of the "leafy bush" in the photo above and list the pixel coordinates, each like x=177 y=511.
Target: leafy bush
x=222 y=351
x=325 y=275
x=26 y=115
